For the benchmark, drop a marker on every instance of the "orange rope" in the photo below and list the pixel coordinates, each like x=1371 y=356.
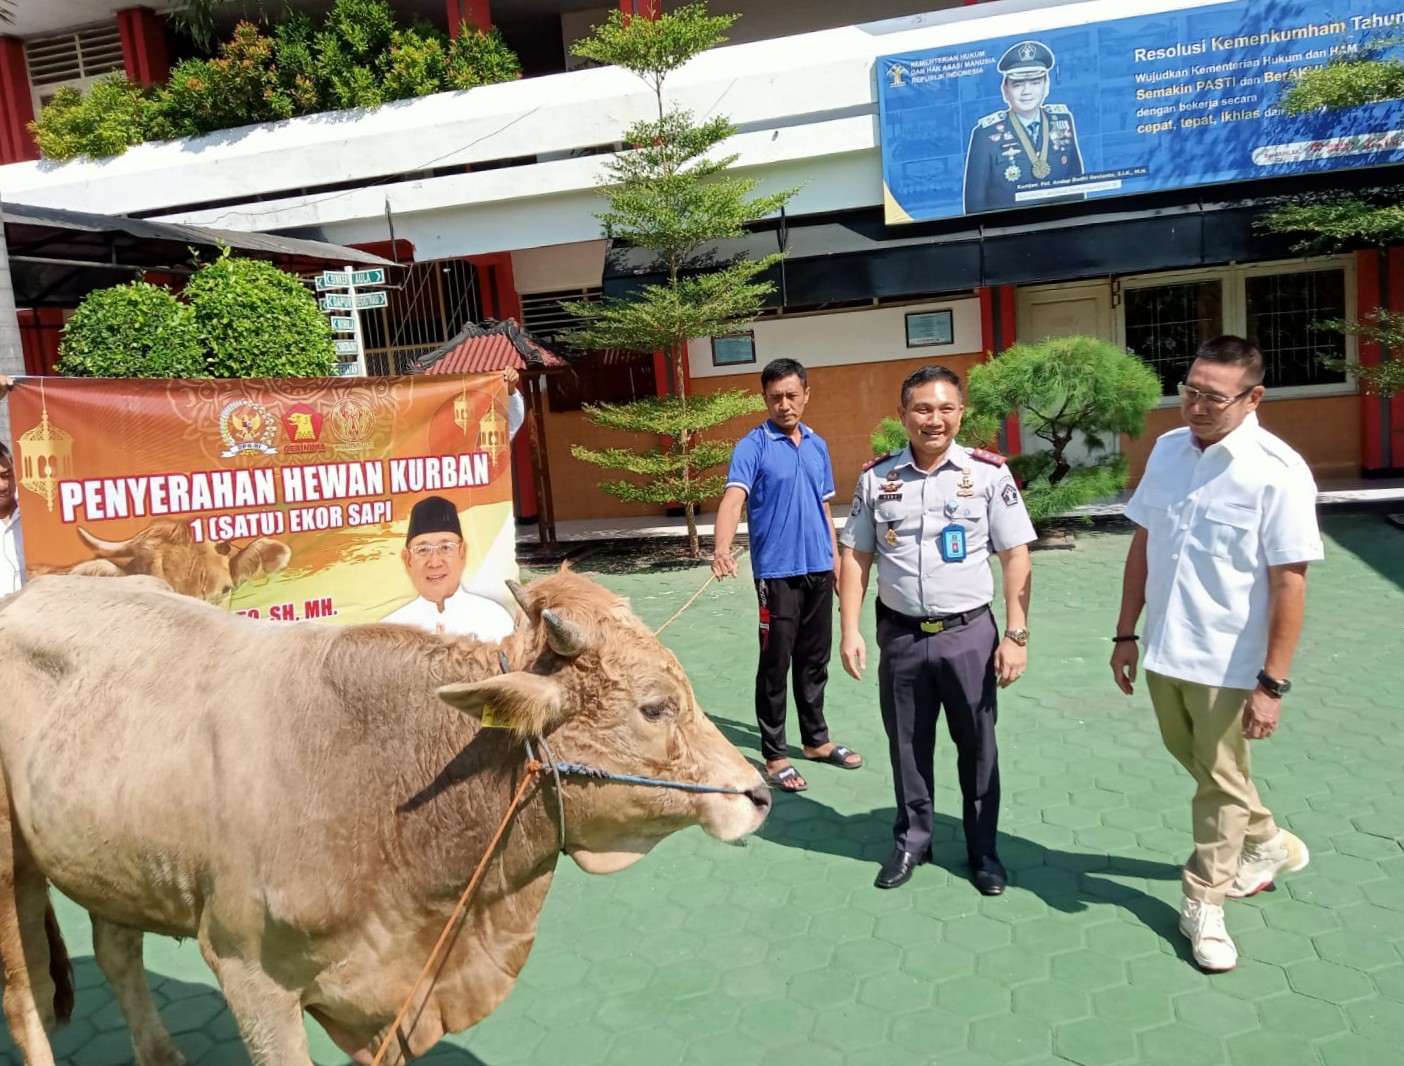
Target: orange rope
x=533 y=767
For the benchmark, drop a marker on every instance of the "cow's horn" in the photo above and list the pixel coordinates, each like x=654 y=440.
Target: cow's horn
x=103 y=547
x=566 y=638
x=519 y=593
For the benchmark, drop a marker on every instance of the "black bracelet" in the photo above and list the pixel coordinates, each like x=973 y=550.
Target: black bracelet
x=1123 y=640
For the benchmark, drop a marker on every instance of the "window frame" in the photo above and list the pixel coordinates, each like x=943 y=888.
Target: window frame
x=1231 y=279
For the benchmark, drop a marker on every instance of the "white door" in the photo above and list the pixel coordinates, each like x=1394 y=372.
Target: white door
x=1080 y=308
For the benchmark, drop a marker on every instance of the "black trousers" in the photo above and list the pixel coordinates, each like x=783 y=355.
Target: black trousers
x=796 y=630
x=919 y=674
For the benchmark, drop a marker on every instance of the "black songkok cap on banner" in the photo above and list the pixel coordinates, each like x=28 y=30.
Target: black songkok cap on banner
x=433 y=514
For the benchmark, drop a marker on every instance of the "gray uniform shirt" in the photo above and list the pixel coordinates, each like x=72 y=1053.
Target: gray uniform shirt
x=899 y=513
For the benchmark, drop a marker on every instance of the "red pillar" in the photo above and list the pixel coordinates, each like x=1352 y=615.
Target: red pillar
x=996 y=334
x=476 y=13
x=143 y=45
x=16 y=143
x=1395 y=266
x=1372 y=409
x=648 y=9
x=40 y=332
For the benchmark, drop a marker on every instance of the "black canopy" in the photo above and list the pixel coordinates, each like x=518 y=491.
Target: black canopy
x=57 y=257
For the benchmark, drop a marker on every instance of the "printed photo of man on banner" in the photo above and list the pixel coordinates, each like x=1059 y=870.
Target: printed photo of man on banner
x=337 y=500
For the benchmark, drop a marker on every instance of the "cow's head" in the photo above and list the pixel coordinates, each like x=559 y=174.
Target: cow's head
x=207 y=570
x=592 y=679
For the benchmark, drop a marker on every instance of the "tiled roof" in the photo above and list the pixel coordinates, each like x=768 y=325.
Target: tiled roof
x=491 y=346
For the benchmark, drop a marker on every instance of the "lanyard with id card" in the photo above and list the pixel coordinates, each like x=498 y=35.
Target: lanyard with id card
x=952 y=544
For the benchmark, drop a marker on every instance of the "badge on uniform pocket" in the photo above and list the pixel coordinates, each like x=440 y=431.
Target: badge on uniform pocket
x=953 y=544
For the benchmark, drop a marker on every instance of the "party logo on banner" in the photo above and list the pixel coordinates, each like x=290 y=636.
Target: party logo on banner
x=281 y=499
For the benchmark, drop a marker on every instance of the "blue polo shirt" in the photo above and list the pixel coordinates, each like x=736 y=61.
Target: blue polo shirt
x=786 y=486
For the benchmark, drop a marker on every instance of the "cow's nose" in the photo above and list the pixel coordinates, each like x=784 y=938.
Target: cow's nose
x=760 y=796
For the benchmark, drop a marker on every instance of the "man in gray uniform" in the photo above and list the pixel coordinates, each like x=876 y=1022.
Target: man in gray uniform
x=931 y=514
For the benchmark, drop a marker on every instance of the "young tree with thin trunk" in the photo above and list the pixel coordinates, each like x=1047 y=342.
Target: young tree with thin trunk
x=1373 y=74
x=671 y=192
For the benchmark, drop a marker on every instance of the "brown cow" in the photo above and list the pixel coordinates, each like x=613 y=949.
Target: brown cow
x=309 y=801
x=208 y=570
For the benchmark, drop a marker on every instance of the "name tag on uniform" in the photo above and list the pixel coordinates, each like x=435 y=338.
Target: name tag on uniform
x=953 y=544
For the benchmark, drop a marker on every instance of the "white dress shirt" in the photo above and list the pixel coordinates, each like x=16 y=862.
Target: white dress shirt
x=464 y=615
x=1216 y=519
x=11 y=554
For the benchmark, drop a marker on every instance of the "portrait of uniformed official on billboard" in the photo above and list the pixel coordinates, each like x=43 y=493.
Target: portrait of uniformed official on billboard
x=1031 y=141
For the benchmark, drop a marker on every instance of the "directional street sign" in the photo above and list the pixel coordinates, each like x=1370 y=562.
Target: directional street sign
x=337 y=302
x=342 y=325
x=370 y=299
x=368 y=277
x=333 y=279
x=348 y=370
x=347 y=348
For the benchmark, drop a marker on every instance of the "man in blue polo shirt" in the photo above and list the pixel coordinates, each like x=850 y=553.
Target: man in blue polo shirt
x=780 y=473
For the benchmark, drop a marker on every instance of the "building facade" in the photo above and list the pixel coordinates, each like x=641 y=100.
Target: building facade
x=489 y=198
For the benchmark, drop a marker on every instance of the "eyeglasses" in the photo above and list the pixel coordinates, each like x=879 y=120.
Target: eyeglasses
x=425 y=551
x=1213 y=399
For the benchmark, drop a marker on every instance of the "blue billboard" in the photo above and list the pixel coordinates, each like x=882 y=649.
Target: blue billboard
x=1165 y=101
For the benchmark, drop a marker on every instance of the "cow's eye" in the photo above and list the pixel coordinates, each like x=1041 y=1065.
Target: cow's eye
x=659 y=709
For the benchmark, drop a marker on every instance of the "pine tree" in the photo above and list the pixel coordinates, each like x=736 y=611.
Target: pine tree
x=670 y=192
x=1369 y=75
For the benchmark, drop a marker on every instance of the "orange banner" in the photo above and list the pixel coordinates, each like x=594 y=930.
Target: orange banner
x=283 y=499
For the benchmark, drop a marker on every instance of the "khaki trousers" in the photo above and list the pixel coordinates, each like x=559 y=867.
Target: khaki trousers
x=1203 y=728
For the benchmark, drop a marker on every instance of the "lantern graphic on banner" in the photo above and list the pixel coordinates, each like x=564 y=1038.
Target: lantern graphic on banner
x=44 y=457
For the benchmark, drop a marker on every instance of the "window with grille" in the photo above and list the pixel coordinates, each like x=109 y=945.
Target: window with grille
x=1165 y=324
x=1283 y=314
x=1279 y=307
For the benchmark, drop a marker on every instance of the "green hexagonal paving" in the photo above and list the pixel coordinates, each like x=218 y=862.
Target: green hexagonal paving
x=781 y=951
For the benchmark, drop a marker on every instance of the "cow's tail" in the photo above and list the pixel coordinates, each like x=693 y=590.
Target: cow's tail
x=60 y=967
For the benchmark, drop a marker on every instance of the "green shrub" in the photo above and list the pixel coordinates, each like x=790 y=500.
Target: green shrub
x=358 y=58
x=296 y=63
x=416 y=64
x=255 y=320
x=105 y=121
x=239 y=88
x=1064 y=389
x=478 y=58
x=137 y=330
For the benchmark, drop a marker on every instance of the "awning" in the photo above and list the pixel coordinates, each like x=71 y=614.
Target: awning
x=855 y=257
x=57 y=257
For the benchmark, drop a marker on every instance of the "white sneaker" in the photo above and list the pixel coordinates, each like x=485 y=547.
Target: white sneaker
x=1260 y=863
x=1203 y=923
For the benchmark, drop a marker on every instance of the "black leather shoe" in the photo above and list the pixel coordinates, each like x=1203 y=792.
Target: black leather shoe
x=990 y=880
x=897 y=870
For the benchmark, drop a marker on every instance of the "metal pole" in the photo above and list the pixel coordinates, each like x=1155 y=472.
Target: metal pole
x=356 y=322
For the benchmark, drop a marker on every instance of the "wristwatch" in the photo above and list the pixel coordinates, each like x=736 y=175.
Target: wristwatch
x=1018 y=636
x=1274 y=687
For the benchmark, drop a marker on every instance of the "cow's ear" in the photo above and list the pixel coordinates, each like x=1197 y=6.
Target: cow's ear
x=259 y=558
x=527 y=704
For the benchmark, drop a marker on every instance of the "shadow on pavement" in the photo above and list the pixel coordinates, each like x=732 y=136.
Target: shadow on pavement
x=195 y=1013
x=1065 y=881
x=1378 y=544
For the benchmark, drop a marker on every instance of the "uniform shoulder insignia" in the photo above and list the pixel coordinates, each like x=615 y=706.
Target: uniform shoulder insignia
x=993 y=458
x=1057 y=109
x=991 y=119
x=874 y=462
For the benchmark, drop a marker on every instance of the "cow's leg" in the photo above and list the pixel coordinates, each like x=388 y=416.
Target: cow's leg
x=269 y=1016
x=24 y=943
x=118 y=951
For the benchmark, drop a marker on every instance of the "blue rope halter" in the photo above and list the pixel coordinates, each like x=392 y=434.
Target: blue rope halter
x=593 y=773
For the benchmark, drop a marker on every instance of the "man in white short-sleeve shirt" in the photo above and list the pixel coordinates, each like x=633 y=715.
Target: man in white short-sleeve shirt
x=1227 y=517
